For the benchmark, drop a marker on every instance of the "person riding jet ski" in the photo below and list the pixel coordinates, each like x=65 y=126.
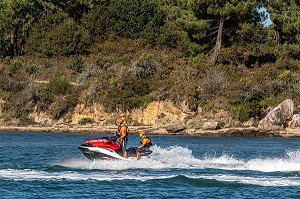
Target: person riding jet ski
x=122 y=135
x=145 y=144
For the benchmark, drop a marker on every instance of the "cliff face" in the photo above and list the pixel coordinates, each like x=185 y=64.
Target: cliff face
x=155 y=114
x=159 y=113
x=165 y=115
x=96 y=112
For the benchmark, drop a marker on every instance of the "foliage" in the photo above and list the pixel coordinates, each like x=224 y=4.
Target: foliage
x=123 y=93
x=99 y=22
x=61 y=105
x=133 y=18
x=25 y=119
x=56 y=34
x=143 y=69
x=125 y=54
x=16 y=18
x=85 y=121
x=77 y=64
x=58 y=93
x=285 y=17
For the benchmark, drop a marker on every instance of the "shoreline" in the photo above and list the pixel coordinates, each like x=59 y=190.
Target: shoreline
x=110 y=129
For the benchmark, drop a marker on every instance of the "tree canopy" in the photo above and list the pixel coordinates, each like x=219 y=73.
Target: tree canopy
x=126 y=53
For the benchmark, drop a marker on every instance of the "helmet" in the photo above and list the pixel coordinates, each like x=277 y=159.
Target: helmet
x=142 y=132
x=119 y=121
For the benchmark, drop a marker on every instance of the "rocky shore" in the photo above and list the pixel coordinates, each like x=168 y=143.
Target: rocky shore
x=175 y=130
x=281 y=121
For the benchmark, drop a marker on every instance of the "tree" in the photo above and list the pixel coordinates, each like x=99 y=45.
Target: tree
x=57 y=34
x=227 y=15
x=16 y=17
x=285 y=15
x=98 y=22
x=211 y=18
x=77 y=8
x=133 y=18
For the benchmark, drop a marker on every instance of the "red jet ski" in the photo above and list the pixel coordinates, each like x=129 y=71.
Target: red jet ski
x=107 y=148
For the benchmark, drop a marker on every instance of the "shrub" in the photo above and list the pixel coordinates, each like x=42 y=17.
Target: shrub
x=31 y=69
x=61 y=105
x=142 y=69
x=59 y=86
x=124 y=93
x=192 y=96
x=241 y=112
x=24 y=118
x=215 y=82
x=47 y=92
x=84 y=121
x=77 y=65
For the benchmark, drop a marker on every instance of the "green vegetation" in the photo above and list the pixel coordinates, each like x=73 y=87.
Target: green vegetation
x=126 y=53
x=84 y=121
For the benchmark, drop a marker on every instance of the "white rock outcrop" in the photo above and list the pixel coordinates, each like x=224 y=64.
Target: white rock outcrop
x=295 y=121
x=277 y=118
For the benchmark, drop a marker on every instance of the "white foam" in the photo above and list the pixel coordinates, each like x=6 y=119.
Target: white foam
x=260 y=181
x=182 y=158
x=29 y=175
x=173 y=157
x=288 y=163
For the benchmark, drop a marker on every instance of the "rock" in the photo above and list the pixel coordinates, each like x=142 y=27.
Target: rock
x=210 y=125
x=175 y=129
x=2 y=102
x=190 y=131
x=295 y=121
x=248 y=123
x=278 y=117
x=160 y=131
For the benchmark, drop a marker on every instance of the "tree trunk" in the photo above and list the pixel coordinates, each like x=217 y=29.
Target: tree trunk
x=218 y=43
x=277 y=38
x=22 y=43
x=14 y=43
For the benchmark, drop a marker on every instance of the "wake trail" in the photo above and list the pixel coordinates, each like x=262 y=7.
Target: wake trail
x=176 y=157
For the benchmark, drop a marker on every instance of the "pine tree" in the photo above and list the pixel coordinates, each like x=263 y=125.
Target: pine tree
x=212 y=17
x=285 y=15
x=16 y=17
x=226 y=15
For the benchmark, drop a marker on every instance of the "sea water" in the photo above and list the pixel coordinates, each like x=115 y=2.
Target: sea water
x=50 y=165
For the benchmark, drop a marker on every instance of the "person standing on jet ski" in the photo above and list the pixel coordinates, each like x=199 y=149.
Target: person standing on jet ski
x=122 y=135
x=145 y=144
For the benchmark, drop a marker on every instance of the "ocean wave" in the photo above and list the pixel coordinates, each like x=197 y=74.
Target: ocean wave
x=30 y=175
x=259 y=181
x=33 y=175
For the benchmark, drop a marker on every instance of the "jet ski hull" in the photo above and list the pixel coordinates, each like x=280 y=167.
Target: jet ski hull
x=93 y=153
x=107 y=148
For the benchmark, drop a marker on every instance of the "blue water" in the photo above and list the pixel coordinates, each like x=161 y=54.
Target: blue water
x=45 y=165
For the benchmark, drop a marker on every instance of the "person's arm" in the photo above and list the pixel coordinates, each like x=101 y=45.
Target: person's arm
x=123 y=134
x=144 y=142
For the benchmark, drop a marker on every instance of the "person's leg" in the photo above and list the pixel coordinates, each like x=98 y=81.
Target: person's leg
x=124 y=149
x=138 y=154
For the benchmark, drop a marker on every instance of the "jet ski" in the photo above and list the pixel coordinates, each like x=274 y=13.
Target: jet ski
x=107 y=148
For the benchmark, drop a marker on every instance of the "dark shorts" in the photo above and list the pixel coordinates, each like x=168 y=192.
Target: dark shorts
x=124 y=144
x=144 y=149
